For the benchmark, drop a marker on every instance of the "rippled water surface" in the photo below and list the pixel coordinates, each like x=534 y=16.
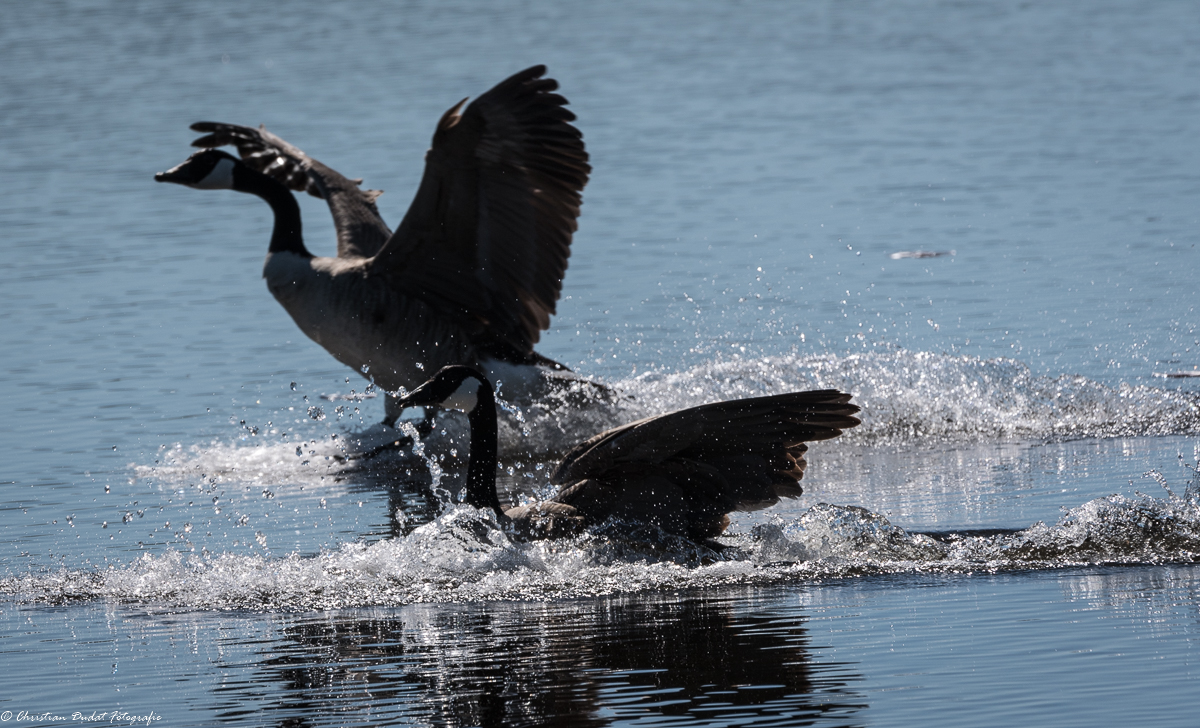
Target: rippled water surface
x=980 y=218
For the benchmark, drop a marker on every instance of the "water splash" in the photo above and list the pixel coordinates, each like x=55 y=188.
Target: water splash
x=907 y=398
x=464 y=555
x=920 y=396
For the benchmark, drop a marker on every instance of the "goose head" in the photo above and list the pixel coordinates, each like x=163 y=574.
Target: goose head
x=453 y=387
x=209 y=169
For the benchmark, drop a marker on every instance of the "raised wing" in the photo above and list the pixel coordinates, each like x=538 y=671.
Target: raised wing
x=361 y=231
x=489 y=231
x=748 y=452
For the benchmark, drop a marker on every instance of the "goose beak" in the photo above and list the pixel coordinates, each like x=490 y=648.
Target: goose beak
x=177 y=174
x=205 y=170
x=433 y=394
x=422 y=396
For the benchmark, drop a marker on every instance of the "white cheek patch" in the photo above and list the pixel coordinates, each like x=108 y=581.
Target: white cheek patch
x=465 y=397
x=220 y=178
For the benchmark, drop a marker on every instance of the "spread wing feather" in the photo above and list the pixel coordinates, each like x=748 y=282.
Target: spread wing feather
x=361 y=231
x=489 y=230
x=735 y=455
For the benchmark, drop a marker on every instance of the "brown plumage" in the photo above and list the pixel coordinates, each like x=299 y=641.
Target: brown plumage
x=500 y=195
x=684 y=471
x=472 y=274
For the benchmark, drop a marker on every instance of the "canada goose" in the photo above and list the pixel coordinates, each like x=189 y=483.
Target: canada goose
x=472 y=274
x=683 y=472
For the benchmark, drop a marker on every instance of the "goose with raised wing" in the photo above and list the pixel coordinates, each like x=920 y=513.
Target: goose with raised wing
x=683 y=472
x=472 y=274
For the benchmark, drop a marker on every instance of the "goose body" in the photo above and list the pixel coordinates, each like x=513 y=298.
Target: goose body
x=363 y=321
x=472 y=274
x=683 y=472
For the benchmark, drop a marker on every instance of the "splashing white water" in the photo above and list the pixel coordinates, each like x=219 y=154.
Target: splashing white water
x=917 y=396
x=464 y=555
x=906 y=397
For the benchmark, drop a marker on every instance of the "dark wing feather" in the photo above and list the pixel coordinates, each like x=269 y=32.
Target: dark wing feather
x=748 y=452
x=489 y=231
x=361 y=231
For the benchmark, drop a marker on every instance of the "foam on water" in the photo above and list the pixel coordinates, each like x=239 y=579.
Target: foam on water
x=464 y=555
x=911 y=396
x=263 y=463
x=906 y=397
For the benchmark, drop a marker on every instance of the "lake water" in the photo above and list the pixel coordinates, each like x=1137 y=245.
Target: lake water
x=185 y=535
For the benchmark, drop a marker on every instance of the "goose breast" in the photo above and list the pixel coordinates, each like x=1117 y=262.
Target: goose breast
x=363 y=321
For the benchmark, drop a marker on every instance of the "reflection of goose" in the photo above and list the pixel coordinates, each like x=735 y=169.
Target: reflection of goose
x=683 y=472
x=737 y=656
x=472 y=274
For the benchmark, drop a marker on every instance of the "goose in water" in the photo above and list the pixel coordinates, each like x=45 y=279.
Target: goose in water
x=683 y=472
x=472 y=274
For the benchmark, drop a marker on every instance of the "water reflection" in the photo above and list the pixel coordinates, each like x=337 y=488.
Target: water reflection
x=1154 y=597
x=730 y=657
x=988 y=484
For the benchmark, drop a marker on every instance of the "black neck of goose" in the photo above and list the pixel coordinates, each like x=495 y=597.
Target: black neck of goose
x=287 y=236
x=481 y=467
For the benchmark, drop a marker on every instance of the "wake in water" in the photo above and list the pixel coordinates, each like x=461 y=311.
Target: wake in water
x=921 y=396
x=463 y=555
x=907 y=398
x=240 y=496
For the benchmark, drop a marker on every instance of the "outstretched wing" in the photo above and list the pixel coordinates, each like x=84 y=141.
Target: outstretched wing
x=744 y=453
x=361 y=231
x=489 y=231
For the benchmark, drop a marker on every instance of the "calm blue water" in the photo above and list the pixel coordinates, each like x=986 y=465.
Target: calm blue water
x=178 y=517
